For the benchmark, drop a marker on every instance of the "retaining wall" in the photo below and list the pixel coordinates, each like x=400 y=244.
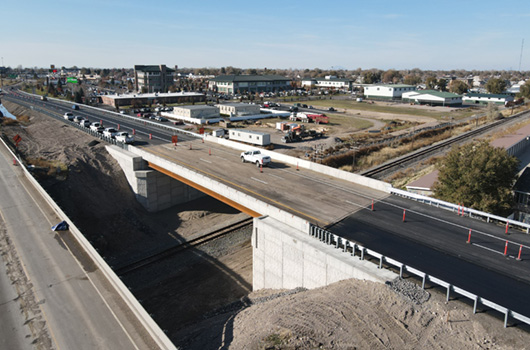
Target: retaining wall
x=284 y=257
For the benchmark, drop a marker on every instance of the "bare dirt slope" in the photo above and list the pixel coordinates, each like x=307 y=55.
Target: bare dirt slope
x=202 y=299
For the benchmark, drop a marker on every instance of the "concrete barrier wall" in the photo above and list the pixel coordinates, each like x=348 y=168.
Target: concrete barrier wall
x=244 y=199
x=284 y=257
x=136 y=309
x=323 y=169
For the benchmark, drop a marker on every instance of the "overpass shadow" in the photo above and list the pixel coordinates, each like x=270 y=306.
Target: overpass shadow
x=194 y=293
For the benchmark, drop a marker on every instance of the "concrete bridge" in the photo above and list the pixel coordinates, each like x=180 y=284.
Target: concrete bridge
x=285 y=200
x=293 y=202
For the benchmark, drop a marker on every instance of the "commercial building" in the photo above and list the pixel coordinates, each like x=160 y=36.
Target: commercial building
x=432 y=97
x=387 y=91
x=475 y=98
x=329 y=82
x=196 y=112
x=232 y=84
x=238 y=109
x=153 y=98
x=153 y=78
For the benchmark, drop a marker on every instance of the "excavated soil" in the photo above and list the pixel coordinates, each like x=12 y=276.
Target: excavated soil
x=202 y=298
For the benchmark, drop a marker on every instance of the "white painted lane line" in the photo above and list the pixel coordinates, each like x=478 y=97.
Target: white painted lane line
x=276 y=176
x=491 y=250
x=361 y=206
x=258 y=180
x=223 y=158
x=204 y=160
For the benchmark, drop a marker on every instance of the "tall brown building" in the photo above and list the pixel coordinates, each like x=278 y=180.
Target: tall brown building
x=153 y=78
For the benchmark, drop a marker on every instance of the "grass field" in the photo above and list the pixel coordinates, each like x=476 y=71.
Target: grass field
x=381 y=108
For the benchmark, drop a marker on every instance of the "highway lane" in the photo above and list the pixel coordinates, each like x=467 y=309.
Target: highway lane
x=71 y=299
x=143 y=128
x=438 y=248
x=13 y=330
x=304 y=193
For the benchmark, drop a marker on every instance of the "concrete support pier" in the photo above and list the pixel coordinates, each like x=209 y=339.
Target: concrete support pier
x=154 y=190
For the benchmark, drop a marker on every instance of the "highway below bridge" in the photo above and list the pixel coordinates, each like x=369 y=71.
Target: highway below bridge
x=430 y=239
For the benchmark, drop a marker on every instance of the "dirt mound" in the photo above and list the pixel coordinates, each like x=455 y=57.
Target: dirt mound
x=352 y=314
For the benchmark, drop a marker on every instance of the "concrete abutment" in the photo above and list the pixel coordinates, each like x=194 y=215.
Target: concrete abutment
x=154 y=190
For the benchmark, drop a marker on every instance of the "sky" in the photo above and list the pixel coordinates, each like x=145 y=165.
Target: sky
x=325 y=34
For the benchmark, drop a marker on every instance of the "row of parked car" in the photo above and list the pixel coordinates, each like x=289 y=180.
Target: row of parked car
x=112 y=133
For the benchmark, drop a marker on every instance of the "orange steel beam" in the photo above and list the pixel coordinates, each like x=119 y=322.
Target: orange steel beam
x=207 y=191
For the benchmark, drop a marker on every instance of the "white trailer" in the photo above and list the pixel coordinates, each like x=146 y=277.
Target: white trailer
x=252 y=137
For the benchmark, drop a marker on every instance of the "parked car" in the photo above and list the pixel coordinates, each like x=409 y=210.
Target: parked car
x=85 y=123
x=69 y=116
x=97 y=127
x=75 y=107
x=110 y=132
x=124 y=137
x=44 y=98
x=331 y=109
x=161 y=119
x=79 y=119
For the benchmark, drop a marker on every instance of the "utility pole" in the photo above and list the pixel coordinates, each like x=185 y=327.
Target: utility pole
x=520 y=57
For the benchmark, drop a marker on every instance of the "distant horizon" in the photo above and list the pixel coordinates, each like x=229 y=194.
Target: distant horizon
x=292 y=69
x=460 y=35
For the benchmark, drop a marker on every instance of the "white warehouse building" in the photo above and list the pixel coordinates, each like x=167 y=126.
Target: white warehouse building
x=198 y=112
x=475 y=98
x=387 y=91
x=433 y=97
x=238 y=109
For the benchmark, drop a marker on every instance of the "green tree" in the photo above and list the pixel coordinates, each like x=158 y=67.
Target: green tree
x=442 y=84
x=478 y=176
x=458 y=87
x=496 y=86
x=391 y=76
x=371 y=77
x=525 y=90
x=431 y=82
x=412 y=80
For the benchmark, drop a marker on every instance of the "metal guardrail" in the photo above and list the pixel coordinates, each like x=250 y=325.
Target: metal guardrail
x=472 y=213
x=352 y=248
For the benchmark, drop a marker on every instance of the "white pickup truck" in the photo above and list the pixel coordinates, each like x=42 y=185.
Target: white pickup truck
x=256 y=157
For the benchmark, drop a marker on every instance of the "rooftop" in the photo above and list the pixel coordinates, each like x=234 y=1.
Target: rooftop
x=244 y=78
x=152 y=95
x=395 y=85
x=195 y=107
x=474 y=94
x=151 y=68
x=437 y=93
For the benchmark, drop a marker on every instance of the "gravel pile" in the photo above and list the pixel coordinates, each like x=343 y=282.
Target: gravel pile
x=409 y=291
